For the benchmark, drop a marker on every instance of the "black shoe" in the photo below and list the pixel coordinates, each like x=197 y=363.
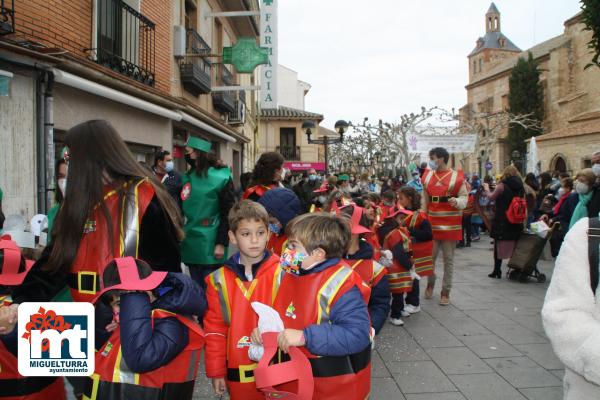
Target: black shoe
x=460 y=245
x=496 y=274
x=468 y=244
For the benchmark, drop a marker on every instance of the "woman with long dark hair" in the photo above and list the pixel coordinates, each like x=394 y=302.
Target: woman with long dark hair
x=112 y=208
x=207 y=196
x=60 y=173
x=267 y=174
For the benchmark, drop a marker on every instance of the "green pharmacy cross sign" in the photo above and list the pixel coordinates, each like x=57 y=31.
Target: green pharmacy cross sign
x=268 y=2
x=245 y=55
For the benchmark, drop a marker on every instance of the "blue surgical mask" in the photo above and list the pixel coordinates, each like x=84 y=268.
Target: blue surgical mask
x=169 y=166
x=433 y=164
x=312 y=177
x=596 y=169
x=276 y=229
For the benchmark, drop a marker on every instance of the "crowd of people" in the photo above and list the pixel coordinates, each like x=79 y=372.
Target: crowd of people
x=333 y=258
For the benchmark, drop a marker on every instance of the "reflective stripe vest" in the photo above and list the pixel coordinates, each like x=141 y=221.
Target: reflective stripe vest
x=235 y=319
x=257 y=191
x=399 y=275
x=126 y=207
x=422 y=251
x=370 y=271
x=446 y=221
x=112 y=378
x=307 y=300
x=277 y=243
x=14 y=386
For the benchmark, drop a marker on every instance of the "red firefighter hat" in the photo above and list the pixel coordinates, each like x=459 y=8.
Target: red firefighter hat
x=398 y=210
x=11 y=271
x=130 y=276
x=357 y=213
x=325 y=187
x=268 y=377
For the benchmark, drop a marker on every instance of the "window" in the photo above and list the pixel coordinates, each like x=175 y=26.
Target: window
x=287 y=137
x=480 y=65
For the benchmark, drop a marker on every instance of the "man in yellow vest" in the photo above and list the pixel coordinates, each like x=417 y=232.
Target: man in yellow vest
x=445 y=196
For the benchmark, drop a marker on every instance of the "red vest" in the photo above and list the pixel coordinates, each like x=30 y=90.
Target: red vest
x=234 y=302
x=14 y=386
x=370 y=271
x=259 y=190
x=277 y=243
x=112 y=379
x=306 y=300
x=422 y=251
x=446 y=221
x=398 y=276
x=126 y=207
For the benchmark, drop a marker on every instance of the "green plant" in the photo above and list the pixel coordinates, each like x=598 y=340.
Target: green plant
x=591 y=19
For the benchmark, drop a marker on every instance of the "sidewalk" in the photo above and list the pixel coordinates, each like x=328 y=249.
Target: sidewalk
x=488 y=344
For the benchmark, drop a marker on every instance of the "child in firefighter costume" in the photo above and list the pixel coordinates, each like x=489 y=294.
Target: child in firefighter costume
x=323 y=306
x=421 y=237
x=14 y=386
x=267 y=174
x=283 y=206
x=151 y=348
x=360 y=259
x=395 y=238
x=251 y=275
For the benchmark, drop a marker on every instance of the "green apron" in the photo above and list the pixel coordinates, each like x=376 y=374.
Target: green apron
x=51 y=217
x=201 y=209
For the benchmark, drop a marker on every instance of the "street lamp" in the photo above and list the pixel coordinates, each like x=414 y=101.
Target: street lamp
x=309 y=127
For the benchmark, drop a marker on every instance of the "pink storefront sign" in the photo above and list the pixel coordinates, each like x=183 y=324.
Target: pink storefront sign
x=303 y=166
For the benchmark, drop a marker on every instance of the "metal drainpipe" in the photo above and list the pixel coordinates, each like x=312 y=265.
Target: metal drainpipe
x=49 y=140
x=40 y=158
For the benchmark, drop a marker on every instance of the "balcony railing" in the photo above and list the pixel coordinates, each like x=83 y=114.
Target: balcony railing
x=290 y=153
x=126 y=41
x=194 y=68
x=224 y=102
x=7 y=17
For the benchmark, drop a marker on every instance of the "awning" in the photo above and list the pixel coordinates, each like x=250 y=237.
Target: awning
x=303 y=166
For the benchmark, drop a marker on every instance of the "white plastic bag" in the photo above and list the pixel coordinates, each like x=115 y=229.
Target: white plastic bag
x=540 y=228
x=268 y=321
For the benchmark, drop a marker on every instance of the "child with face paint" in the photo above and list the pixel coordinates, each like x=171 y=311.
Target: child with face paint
x=321 y=302
x=282 y=205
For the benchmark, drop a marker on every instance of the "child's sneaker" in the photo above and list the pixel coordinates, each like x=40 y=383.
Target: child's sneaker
x=396 y=321
x=412 y=309
x=404 y=313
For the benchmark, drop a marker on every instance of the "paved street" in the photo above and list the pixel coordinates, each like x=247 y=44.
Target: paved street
x=489 y=344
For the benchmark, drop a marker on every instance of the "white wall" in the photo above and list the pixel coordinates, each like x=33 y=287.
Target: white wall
x=290 y=91
x=18 y=148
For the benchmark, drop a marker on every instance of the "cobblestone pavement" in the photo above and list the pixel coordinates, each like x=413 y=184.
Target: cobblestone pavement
x=488 y=344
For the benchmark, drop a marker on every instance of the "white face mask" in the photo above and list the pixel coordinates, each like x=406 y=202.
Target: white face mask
x=561 y=192
x=433 y=164
x=62 y=185
x=582 y=188
x=169 y=166
x=596 y=169
x=322 y=199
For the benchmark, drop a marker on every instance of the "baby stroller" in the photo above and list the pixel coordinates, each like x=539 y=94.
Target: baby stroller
x=529 y=248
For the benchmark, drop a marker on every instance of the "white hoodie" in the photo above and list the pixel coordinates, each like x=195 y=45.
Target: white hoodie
x=571 y=317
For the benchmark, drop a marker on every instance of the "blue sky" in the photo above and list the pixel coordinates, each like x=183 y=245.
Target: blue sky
x=384 y=58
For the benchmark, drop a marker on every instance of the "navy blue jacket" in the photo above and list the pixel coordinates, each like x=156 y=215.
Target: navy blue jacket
x=146 y=348
x=565 y=212
x=379 y=303
x=281 y=203
x=348 y=330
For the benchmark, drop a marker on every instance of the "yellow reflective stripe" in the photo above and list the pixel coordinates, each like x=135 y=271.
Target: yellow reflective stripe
x=328 y=292
x=453 y=179
x=356 y=264
x=428 y=178
x=444 y=213
x=447 y=227
x=279 y=274
x=413 y=219
x=217 y=280
x=423 y=259
x=378 y=269
x=246 y=292
x=94 y=392
x=122 y=373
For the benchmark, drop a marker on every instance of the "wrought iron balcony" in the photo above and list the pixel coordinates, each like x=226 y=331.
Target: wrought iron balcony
x=194 y=68
x=290 y=153
x=126 y=41
x=7 y=17
x=224 y=102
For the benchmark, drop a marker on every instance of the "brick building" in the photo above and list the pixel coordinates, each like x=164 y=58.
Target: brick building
x=147 y=66
x=571 y=126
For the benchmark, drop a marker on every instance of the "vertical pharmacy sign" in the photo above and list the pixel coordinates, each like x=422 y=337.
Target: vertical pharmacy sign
x=268 y=39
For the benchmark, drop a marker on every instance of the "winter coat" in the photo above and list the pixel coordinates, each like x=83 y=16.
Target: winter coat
x=348 y=329
x=146 y=347
x=502 y=229
x=594 y=204
x=281 y=203
x=571 y=317
x=379 y=302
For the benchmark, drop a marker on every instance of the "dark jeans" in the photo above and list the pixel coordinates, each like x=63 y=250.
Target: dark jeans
x=412 y=297
x=466 y=228
x=199 y=272
x=397 y=305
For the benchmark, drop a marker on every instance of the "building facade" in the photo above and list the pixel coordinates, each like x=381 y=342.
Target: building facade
x=571 y=98
x=150 y=67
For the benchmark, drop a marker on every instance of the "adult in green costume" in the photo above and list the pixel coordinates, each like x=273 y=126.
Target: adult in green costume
x=207 y=196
